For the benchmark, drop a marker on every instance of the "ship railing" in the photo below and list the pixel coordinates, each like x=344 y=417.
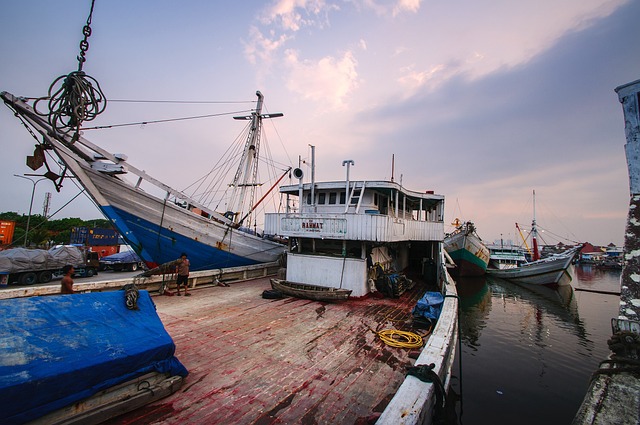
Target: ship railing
x=153 y=284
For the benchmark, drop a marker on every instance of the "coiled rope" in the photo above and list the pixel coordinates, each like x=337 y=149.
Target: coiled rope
x=400 y=339
x=76 y=97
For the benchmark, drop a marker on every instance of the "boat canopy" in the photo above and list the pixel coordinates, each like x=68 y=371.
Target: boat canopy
x=58 y=350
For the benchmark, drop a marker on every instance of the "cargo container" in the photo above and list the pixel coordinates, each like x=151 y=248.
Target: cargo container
x=6 y=231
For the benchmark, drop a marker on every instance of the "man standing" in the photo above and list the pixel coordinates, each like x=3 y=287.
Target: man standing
x=66 y=284
x=183 y=274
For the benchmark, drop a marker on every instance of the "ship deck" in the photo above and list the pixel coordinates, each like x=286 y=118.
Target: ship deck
x=262 y=361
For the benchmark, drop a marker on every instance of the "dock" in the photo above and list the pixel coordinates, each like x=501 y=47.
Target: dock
x=255 y=360
x=614 y=392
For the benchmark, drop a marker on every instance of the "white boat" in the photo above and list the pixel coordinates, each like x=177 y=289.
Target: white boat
x=546 y=271
x=157 y=221
x=357 y=235
x=467 y=250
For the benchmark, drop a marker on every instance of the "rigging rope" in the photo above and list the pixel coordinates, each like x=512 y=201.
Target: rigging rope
x=76 y=97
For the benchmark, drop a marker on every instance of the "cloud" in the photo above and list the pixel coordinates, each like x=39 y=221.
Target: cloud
x=406 y=6
x=386 y=8
x=292 y=15
x=329 y=80
x=261 y=49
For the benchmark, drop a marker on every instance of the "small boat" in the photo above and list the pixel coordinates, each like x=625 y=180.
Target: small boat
x=83 y=357
x=466 y=249
x=157 y=221
x=546 y=271
x=311 y=292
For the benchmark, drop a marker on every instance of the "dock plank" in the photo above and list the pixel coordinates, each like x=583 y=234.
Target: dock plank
x=259 y=361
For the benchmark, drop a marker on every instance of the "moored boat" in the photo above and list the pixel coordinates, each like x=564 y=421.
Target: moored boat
x=81 y=358
x=312 y=292
x=545 y=271
x=157 y=221
x=467 y=250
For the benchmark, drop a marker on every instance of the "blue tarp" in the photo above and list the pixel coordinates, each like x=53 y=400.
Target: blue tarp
x=429 y=306
x=57 y=350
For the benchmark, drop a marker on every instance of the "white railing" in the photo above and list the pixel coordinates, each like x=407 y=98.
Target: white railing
x=368 y=227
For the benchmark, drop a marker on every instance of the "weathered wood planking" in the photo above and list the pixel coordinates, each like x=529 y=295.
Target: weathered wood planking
x=253 y=360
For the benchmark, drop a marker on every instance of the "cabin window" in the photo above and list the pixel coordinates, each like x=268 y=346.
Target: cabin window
x=343 y=198
x=375 y=199
x=322 y=198
x=332 y=198
x=308 y=199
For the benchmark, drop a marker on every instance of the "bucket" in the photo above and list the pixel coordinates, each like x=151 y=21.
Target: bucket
x=4 y=279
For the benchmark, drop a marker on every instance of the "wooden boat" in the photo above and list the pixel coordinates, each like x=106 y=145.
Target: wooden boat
x=546 y=271
x=354 y=234
x=157 y=221
x=253 y=360
x=67 y=360
x=311 y=292
x=466 y=249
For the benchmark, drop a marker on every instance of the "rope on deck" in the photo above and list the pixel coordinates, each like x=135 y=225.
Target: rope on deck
x=400 y=339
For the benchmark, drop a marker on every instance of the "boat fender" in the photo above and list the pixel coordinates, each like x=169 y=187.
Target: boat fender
x=272 y=294
x=425 y=373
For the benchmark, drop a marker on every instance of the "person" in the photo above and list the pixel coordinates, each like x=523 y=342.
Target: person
x=67 y=280
x=183 y=274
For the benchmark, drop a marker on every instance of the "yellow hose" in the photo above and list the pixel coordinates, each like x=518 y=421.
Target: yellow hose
x=400 y=339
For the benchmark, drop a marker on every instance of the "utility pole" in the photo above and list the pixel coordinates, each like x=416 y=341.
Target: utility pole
x=33 y=192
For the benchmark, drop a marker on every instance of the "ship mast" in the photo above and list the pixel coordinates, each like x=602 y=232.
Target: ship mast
x=534 y=231
x=246 y=177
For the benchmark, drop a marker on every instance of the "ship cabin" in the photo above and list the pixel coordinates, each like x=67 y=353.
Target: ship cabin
x=340 y=233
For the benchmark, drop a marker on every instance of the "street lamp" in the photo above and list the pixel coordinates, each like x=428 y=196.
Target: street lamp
x=33 y=192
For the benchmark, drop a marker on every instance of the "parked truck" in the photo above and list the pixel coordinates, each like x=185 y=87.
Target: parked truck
x=30 y=266
x=125 y=260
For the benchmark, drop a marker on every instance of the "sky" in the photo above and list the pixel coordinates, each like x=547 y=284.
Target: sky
x=482 y=102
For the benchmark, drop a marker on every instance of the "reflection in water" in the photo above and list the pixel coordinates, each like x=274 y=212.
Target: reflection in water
x=525 y=347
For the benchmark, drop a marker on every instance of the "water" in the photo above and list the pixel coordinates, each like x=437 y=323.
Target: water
x=528 y=352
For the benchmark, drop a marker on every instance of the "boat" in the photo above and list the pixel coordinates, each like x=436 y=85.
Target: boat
x=355 y=234
x=81 y=358
x=467 y=250
x=157 y=221
x=373 y=238
x=312 y=292
x=545 y=271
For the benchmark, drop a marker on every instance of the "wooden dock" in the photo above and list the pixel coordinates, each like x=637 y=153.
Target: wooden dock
x=260 y=361
x=613 y=396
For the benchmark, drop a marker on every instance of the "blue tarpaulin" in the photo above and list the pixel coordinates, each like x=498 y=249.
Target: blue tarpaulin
x=57 y=350
x=429 y=306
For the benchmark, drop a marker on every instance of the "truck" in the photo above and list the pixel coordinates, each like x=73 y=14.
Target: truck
x=125 y=260
x=30 y=266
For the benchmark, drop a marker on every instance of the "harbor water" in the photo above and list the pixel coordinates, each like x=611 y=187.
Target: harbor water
x=528 y=353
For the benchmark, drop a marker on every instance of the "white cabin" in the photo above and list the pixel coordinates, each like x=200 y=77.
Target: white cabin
x=337 y=233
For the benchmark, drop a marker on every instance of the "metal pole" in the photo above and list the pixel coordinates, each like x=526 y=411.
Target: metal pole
x=33 y=192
